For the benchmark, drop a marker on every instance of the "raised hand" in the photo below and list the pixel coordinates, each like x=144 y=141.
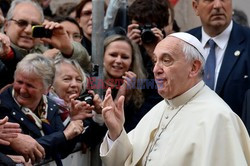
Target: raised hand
x=8 y=131
x=80 y=110
x=97 y=101
x=59 y=39
x=129 y=82
x=158 y=34
x=134 y=33
x=113 y=115
x=4 y=45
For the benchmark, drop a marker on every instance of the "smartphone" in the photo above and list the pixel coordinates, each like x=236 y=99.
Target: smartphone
x=38 y=31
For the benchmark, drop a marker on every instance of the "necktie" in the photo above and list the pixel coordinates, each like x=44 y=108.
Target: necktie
x=210 y=65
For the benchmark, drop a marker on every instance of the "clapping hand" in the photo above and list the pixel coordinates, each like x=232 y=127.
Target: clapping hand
x=129 y=82
x=97 y=101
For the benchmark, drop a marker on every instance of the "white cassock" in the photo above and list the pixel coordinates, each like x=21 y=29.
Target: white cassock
x=196 y=128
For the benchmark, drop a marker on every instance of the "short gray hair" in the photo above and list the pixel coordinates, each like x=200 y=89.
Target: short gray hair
x=16 y=2
x=191 y=53
x=60 y=60
x=40 y=65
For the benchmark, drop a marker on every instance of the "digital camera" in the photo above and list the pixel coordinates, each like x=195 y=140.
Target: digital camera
x=88 y=98
x=147 y=35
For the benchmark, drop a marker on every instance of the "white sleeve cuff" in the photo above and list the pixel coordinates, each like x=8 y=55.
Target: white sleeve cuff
x=66 y=121
x=98 y=118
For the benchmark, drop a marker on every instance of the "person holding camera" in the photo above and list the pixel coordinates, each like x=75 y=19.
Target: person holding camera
x=148 y=19
x=69 y=91
x=17 y=40
x=26 y=103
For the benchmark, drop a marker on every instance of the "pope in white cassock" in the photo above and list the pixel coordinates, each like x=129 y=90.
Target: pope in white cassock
x=193 y=126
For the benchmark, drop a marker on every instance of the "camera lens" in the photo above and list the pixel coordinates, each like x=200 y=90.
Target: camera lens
x=147 y=36
x=89 y=100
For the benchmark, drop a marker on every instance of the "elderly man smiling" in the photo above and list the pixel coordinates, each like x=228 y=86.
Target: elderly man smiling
x=191 y=126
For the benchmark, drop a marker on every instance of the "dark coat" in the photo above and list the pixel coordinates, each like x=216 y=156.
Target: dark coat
x=52 y=143
x=246 y=111
x=233 y=80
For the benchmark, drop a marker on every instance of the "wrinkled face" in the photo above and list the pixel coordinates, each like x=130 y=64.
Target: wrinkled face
x=67 y=81
x=171 y=69
x=214 y=13
x=28 y=89
x=86 y=20
x=20 y=34
x=72 y=30
x=117 y=58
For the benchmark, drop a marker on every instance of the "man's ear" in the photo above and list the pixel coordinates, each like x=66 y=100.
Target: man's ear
x=195 y=6
x=5 y=25
x=196 y=67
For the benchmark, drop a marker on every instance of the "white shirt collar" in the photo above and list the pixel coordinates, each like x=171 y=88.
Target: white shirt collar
x=186 y=96
x=221 y=40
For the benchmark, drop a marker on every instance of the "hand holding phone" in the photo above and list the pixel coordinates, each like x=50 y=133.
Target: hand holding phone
x=38 y=31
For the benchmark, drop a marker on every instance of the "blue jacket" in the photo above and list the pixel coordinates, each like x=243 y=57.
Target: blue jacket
x=233 y=80
x=52 y=143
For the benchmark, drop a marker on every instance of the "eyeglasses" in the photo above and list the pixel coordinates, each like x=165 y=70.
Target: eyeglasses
x=77 y=36
x=86 y=13
x=23 y=23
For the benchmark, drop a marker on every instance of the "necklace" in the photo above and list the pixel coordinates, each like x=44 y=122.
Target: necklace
x=164 y=128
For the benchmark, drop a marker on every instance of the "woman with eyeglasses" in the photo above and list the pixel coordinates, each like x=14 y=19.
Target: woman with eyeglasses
x=84 y=18
x=74 y=33
x=72 y=28
x=70 y=82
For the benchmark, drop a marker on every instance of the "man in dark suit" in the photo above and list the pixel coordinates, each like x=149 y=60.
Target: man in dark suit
x=232 y=66
x=246 y=112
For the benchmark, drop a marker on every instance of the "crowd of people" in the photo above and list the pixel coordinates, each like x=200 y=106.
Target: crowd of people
x=170 y=97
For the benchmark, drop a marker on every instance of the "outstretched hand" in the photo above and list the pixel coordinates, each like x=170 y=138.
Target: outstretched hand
x=28 y=147
x=113 y=115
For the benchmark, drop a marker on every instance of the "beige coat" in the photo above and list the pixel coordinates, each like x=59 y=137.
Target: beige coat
x=200 y=130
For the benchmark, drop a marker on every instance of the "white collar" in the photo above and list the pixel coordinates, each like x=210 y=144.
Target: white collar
x=186 y=96
x=221 y=40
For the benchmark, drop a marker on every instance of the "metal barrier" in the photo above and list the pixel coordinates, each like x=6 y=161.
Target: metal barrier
x=77 y=158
